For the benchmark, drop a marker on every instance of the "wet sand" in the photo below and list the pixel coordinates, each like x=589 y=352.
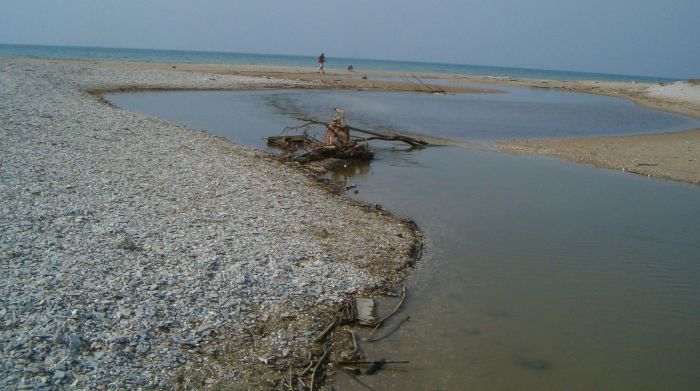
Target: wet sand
x=674 y=156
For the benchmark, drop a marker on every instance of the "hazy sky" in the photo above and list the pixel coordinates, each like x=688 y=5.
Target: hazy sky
x=639 y=37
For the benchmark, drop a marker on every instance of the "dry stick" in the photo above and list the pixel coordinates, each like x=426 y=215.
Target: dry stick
x=421 y=82
x=411 y=82
x=415 y=85
x=419 y=86
x=325 y=332
x=392 y=137
x=428 y=87
x=326 y=352
x=381 y=321
x=410 y=142
x=302 y=373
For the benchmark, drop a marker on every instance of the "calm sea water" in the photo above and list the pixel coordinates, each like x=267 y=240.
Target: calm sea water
x=199 y=57
x=538 y=274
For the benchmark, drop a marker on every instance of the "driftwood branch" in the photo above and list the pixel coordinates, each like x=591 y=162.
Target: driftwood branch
x=412 y=141
x=337 y=142
x=420 y=83
x=326 y=353
x=392 y=331
x=302 y=373
x=431 y=89
x=381 y=321
x=327 y=330
x=396 y=137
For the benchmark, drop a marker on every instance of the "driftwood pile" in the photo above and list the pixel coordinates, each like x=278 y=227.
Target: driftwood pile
x=337 y=142
x=353 y=363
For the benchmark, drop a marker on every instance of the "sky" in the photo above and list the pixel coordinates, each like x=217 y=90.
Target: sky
x=632 y=37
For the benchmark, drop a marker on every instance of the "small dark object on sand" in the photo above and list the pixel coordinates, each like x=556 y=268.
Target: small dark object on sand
x=536 y=364
x=375 y=367
x=354 y=371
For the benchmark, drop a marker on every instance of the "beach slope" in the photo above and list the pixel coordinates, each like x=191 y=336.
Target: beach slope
x=140 y=253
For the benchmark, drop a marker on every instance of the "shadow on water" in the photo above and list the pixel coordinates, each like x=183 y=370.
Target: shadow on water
x=537 y=274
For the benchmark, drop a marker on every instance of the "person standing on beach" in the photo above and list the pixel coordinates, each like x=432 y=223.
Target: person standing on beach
x=321 y=61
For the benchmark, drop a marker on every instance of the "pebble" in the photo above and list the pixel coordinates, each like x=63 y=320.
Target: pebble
x=74 y=342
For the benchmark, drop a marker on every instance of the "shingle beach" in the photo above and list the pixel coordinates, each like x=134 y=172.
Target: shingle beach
x=139 y=253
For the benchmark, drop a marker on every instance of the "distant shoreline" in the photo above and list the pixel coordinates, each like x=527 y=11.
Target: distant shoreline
x=168 y=56
x=666 y=155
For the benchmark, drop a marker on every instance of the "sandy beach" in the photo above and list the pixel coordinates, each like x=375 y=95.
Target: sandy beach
x=674 y=156
x=667 y=155
x=141 y=253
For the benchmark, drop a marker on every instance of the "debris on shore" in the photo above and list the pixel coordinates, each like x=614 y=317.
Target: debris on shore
x=139 y=253
x=337 y=142
x=356 y=313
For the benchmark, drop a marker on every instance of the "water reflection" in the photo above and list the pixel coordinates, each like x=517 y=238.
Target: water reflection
x=349 y=170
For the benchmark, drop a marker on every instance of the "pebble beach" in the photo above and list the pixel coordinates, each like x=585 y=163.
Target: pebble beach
x=138 y=253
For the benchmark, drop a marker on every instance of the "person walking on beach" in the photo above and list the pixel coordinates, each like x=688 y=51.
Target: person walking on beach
x=321 y=61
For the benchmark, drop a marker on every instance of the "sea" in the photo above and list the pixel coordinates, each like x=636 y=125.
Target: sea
x=359 y=64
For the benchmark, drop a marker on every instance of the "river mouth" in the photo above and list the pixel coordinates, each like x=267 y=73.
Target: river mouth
x=537 y=273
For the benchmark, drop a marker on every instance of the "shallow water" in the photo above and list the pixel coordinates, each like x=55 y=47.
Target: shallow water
x=538 y=274
x=521 y=113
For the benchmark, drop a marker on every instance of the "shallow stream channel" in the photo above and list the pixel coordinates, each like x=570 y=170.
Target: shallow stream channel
x=538 y=274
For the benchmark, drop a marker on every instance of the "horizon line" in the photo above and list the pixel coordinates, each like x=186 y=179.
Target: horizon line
x=349 y=58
